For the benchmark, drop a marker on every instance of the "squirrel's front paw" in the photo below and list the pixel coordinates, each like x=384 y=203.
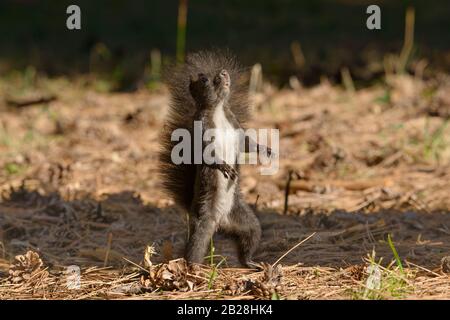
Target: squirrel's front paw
x=228 y=171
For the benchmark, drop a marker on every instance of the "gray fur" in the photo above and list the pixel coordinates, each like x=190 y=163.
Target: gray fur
x=210 y=193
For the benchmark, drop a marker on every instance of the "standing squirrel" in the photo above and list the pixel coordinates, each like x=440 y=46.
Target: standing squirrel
x=208 y=88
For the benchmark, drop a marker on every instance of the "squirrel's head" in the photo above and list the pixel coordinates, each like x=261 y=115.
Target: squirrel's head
x=207 y=90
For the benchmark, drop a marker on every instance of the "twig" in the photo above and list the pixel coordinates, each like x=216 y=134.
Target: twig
x=256 y=202
x=408 y=42
x=286 y=192
x=293 y=248
x=297 y=54
x=422 y=268
x=108 y=249
x=29 y=102
x=347 y=80
x=135 y=264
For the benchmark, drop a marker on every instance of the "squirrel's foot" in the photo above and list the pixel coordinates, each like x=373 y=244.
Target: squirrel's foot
x=194 y=267
x=252 y=265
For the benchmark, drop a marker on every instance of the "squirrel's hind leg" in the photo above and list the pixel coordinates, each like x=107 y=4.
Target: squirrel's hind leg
x=246 y=230
x=202 y=231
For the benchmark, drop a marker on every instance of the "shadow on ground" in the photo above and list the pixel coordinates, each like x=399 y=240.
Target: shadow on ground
x=86 y=232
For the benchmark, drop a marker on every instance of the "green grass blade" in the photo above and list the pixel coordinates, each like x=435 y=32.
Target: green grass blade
x=394 y=251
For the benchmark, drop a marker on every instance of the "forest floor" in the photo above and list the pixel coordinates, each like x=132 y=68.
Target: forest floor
x=368 y=203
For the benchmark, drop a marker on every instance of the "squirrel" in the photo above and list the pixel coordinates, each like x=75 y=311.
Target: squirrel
x=208 y=88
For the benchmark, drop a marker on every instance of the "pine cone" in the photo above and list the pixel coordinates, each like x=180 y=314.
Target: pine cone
x=356 y=272
x=54 y=174
x=445 y=264
x=237 y=287
x=25 y=268
x=270 y=282
x=169 y=276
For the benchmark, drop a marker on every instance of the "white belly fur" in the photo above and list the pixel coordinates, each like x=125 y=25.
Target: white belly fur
x=225 y=146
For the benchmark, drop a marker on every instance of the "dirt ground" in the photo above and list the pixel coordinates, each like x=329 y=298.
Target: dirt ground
x=79 y=186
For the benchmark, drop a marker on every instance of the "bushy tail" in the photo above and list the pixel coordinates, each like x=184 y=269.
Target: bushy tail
x=178 y=180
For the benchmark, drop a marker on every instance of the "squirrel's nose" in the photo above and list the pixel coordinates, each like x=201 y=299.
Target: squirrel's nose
x=202 y=77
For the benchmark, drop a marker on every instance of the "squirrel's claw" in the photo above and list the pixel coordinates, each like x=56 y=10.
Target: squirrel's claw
x=229 y=172
x=253 y=265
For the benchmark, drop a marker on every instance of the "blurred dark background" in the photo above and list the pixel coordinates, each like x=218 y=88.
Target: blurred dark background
x=117 y=36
